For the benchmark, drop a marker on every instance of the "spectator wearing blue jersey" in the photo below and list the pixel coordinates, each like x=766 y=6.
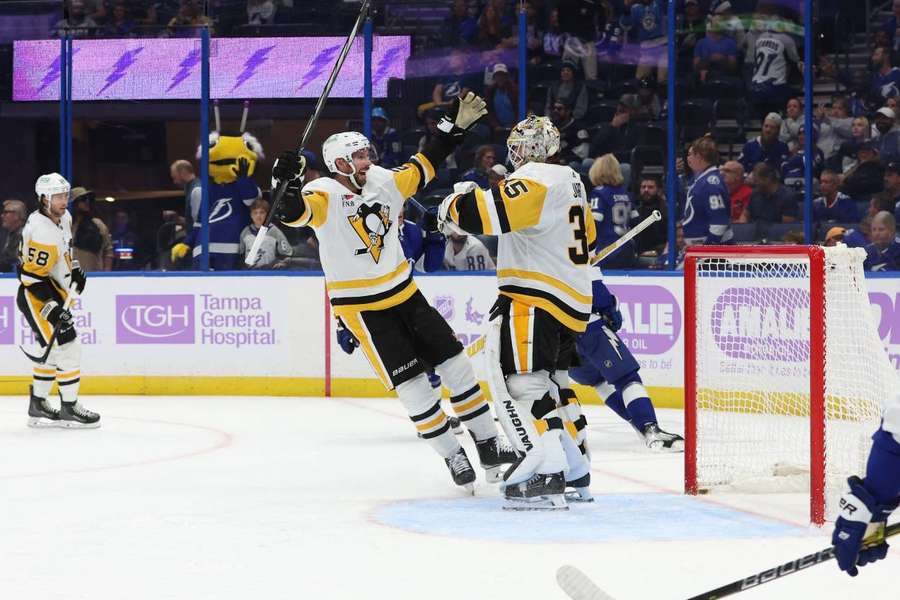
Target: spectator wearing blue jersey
x=883 y=254
x=502 y=98
x=793 y=169
x=706 y=209
x=385 y=140
x=424 y=250
x=648 y=17
x=485 y=157
x=770 y=201
x=885 y=77
x=833 y=205
x=613 y=210
x=766 y=147
x=461 y=27
x=715 y=53
x=886 y=135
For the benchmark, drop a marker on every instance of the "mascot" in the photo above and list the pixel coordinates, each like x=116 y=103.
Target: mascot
x=232 y=160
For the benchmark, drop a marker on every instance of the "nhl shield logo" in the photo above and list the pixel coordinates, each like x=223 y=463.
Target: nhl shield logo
x=445 y=306
x=371 y=223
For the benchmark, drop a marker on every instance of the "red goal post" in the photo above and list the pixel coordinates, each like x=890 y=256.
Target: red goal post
x=759 y=402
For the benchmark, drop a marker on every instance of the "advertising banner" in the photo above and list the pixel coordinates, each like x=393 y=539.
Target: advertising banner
x=169 y=68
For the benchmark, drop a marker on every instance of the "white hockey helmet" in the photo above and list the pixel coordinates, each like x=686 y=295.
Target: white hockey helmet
x=50 y=184
x=343 y=145
x=533 y=140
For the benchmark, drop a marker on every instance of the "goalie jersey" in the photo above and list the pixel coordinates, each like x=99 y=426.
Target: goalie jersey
x=547 y=235
x=359 y=243
x=45 y=259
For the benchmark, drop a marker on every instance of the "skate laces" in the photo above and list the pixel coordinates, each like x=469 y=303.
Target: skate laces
x=45 y=406
x=81 y=411
x=459 y=463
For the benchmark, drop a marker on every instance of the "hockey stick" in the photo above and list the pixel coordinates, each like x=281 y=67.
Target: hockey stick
x=476 y=346
x=278 y=193
x=43 y=358
x=578 y=586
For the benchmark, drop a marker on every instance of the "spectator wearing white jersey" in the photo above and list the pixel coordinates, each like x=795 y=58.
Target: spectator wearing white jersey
x=773 y=54
x=467 y=253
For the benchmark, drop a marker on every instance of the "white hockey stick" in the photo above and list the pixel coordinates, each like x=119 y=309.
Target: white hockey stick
x=476 y=346
x=578 y=586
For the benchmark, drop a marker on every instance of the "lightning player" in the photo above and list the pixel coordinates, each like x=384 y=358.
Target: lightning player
x=867 y=504
x=546 y=235
x=372 y=291
x=608 y=366
x=706 y=210
x=46 y=274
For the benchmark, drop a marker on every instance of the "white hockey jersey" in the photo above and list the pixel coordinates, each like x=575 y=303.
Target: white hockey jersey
x=473 y=256
x=547 y=235
x=45 y=254
x=359 y=244
x=770 y=56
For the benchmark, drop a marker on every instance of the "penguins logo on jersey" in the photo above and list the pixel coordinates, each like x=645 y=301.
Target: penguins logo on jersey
x=371 y=223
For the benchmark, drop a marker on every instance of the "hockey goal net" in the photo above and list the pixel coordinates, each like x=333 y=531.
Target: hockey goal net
x=784 y=371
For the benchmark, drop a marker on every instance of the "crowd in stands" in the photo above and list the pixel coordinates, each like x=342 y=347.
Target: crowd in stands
x=598 y=70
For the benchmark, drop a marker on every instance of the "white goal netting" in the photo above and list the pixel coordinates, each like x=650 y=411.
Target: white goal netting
x=753 y=377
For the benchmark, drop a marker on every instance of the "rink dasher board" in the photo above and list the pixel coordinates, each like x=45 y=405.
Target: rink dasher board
x=236 y=334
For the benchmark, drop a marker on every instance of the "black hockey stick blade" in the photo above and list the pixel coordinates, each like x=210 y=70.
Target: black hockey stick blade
x=579 y=586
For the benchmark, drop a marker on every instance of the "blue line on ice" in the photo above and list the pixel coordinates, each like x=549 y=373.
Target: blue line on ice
x=611 y=517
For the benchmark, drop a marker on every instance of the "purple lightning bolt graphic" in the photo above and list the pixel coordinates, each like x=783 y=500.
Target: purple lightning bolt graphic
x=54 y=71
x=184 y=68
x=250 y=66
x=318 y=66
x=125 y=61
x=385 y=64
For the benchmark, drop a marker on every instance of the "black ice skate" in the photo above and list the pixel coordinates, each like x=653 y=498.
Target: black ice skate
x=40 y=413
x=461 y=470
x=581 y=489
x=662 y=441
x=455 y=426
x=493 y=453
x=73 y=415
x=540 y=492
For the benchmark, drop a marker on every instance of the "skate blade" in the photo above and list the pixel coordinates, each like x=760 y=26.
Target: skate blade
x=77 y=425
x=468 y=488
x=42 y=423
x=554 y=502
x=660 y=446
x=581 y=497
x=493 y=474
x=458 y=430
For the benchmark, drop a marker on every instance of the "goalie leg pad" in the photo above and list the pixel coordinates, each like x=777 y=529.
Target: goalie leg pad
x=427 y=415
x=466 y=397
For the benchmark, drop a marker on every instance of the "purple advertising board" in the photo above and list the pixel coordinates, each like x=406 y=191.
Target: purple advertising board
x=169 y=68
x=155 y=319
x=7 y=316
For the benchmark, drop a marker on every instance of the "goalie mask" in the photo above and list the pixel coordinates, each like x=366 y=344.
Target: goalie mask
x=345 y=145
x=533 y=140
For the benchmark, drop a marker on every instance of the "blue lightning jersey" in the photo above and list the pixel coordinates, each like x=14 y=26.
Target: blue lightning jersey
x=706 y=210
x=229 y=213
x=613 y=212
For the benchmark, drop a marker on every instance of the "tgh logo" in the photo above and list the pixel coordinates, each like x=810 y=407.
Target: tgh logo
x=7 y=335
x=155 y=319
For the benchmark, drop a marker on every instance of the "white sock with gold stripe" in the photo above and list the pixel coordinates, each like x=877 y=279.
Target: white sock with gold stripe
x=427 y=415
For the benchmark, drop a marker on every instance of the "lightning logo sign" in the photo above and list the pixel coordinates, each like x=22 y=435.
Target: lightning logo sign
x=184 y=68
x=252 y=63
x=54 y=71
x=385 y=64
x=121 y=67
x=322 y=61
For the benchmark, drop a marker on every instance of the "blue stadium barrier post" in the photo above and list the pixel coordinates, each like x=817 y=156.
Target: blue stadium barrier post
x=367 y=76
x=69 y=76
x=671 y=175
x=62 y=106
x=808 y=146
x=523 y=61
x=204 y=149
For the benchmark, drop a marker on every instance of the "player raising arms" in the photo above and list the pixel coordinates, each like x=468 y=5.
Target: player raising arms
x=46 y=272
x=370 y=284
x=543 y=217
x=866 y=506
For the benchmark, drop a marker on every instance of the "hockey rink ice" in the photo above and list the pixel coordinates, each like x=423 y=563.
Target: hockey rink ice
x=310 y=498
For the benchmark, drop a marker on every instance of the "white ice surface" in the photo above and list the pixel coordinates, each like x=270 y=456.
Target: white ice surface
x=309 y=498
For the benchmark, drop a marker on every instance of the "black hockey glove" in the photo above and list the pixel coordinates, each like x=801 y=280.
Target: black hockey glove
x=56 y=314
x=79 y=279
x=288 y=166
x=428 y=220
